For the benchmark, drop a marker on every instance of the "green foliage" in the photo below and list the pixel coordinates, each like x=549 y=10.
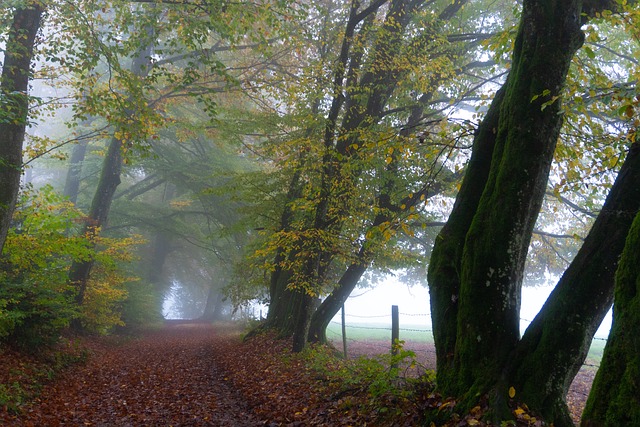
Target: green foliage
x=36 y=301
x=141 y=308
x=12 y=396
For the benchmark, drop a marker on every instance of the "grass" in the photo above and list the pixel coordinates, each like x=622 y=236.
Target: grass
x=380 y=332
x=420 y=334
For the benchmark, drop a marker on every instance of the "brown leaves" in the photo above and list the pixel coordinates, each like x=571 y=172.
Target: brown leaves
x=191 y=374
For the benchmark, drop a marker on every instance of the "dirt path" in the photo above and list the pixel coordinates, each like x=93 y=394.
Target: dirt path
x=165 y=378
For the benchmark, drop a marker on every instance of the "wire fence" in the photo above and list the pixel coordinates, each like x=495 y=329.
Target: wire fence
x=376 y=343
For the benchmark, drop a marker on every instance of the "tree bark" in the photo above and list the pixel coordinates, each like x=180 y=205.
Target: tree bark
x=14 y=85
x=556 y=343
x=72 y=182
x=615 y=395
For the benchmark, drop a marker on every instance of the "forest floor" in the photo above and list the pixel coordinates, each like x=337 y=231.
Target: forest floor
x=197 y=374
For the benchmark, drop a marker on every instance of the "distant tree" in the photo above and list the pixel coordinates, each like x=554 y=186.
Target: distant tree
x=342 y=191
x=80 y=271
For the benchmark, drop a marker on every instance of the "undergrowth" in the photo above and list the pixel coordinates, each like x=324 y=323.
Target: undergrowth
x=389 y=383
x=23 y=374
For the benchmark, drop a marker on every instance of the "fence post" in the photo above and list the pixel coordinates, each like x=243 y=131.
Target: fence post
x=395 y=329
x=344 y=333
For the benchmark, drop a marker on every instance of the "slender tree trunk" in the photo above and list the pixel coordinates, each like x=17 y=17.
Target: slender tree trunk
x=109 y=180
x=615 y=395
x=160 y=249
x=72 y=182
x=80 y=270
x=14 y=85
x=335 y=300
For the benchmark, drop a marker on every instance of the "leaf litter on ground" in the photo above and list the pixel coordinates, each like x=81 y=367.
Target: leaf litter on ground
x=199 y=374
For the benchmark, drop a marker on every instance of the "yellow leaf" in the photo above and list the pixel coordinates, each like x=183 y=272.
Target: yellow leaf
x=519 y=411
x=512 y=392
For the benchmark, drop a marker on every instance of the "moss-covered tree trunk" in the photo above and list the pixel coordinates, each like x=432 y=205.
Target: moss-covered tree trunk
x=446 y=256
x=14 y=105
x=615 y=396
x=556 y=343
x=477 y=264
x=496 y=244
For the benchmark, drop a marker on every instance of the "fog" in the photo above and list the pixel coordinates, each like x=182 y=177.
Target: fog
x=413 y=305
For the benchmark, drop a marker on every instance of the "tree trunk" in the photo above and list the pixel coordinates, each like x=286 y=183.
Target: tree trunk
x=615 y=395
x=212 y=309
x=282 y=303
x=281 y=298
x=14 y=85
x=335 y=300
x=477 y=263
x=109 y=180
x=80 y=270
x=446 y=256
x=497 y=242
x=556 y=343
x=72 y=182
x=484 y=253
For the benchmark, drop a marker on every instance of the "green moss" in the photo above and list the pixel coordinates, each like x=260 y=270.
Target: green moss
x=615 y=395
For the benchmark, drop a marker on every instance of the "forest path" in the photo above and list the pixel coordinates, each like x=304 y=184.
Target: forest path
x=165 y=378
x=199 y=374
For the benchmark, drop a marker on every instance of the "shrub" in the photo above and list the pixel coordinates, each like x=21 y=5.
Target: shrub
x=36 y=300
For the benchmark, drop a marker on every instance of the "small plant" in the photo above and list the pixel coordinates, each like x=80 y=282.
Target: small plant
x=11 y=397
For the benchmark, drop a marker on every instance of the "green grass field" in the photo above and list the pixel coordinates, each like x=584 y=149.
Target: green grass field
x=380 y=332
x=422 y=334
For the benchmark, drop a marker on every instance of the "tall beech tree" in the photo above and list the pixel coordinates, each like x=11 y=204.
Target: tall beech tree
x=14 y=105
x=369 y=76
x=80 y=270
x=476 y=268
